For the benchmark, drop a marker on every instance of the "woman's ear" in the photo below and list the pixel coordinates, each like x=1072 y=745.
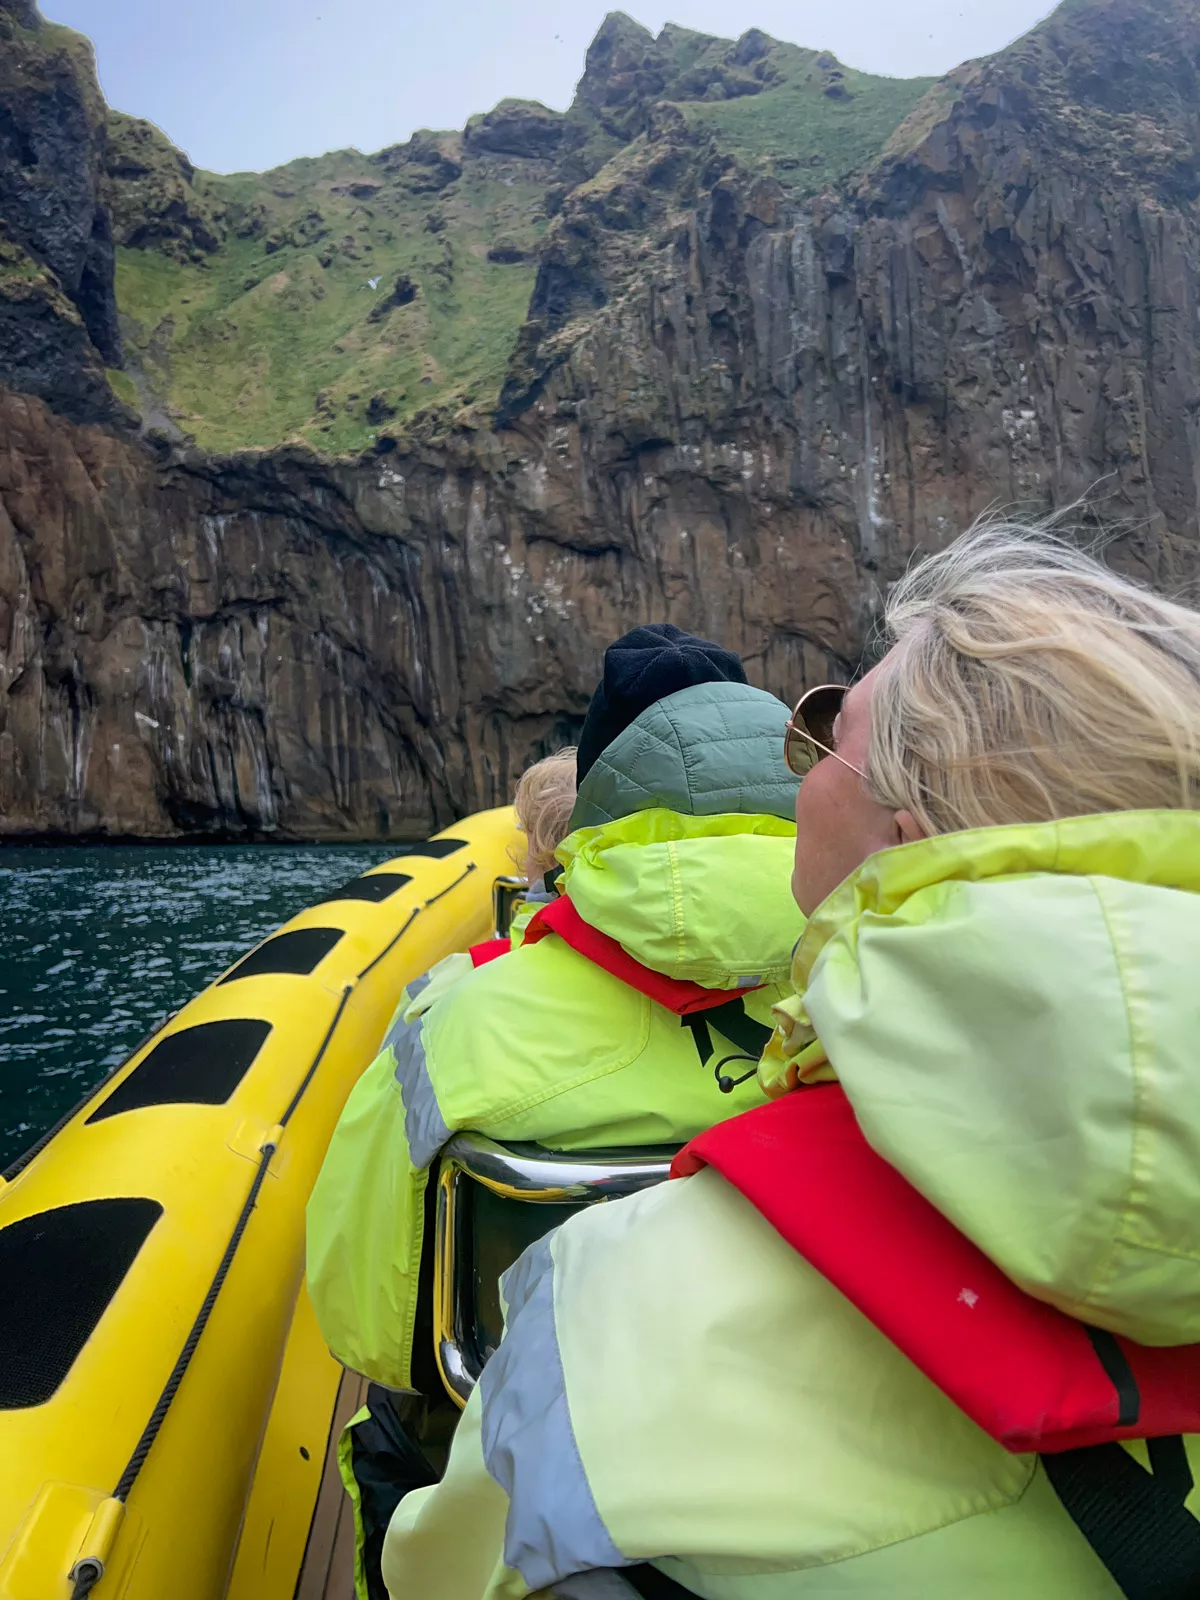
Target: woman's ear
x=909 y=829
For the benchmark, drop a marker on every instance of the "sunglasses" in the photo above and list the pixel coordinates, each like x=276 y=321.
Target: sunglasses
x=809 y=734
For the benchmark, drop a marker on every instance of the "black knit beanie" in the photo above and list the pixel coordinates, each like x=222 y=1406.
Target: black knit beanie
x=647 y=665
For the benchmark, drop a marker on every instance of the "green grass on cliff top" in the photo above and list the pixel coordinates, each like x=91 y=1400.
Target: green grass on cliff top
x=810 y=139
x=271 y=337
x=253 y=345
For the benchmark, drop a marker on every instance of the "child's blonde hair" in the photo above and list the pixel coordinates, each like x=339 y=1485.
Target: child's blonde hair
x=544 y=801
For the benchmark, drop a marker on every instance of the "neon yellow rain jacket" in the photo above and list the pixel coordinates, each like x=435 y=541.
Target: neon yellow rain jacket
x=543 y=1045
x=1013 y=1015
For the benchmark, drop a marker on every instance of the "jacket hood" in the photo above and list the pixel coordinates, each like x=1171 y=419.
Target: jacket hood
x=1014 y=1015
x=709 y=750
x=707 y=899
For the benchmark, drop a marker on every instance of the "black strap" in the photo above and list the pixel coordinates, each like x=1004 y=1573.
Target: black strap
x=1120 y=1375
x=701 y=1038
x=733 y=1023
x=652 y=1584
x=1134 y=1520
x=1170 y=1465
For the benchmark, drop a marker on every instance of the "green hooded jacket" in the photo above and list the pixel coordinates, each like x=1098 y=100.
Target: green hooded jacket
x=1012 y=1014
x=683 y=853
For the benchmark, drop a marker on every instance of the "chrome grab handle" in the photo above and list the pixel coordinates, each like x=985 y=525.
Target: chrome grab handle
x=533 y=1174
x=530 y=1174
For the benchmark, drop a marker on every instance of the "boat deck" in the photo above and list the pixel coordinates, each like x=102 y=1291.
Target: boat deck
x=328 y=1570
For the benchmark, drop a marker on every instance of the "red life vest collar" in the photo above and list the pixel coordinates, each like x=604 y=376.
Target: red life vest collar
x=1030 y=1376
x=481 y=954
x=561 y=917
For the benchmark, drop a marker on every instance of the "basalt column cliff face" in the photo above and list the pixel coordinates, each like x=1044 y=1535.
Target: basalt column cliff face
x=733 y=404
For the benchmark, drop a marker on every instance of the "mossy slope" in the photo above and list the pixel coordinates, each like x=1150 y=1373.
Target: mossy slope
x=291 y=326
x=336 y=295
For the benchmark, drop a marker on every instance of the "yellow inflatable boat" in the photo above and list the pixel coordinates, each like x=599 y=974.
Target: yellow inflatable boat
x=167 y=1405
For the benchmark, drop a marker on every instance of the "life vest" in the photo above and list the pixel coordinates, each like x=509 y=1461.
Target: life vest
x=1032 y=1377
x=694 y=1005
x=481 y=954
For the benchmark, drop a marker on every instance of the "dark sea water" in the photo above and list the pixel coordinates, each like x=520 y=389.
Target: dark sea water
x=98 y=944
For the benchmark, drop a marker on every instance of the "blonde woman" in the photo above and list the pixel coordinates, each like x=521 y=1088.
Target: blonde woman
x=887 y=1338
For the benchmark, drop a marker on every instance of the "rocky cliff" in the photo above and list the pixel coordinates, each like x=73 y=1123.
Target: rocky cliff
x=733 y=404
x=58 y=313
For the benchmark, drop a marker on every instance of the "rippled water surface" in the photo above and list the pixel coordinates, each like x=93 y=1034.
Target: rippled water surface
x=99 y=943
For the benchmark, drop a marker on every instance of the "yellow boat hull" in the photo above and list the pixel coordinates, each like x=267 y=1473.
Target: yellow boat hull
x=223 y=1504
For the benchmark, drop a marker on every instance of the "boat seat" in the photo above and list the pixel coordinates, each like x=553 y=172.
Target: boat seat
x=508 y=896
x=493 y=1201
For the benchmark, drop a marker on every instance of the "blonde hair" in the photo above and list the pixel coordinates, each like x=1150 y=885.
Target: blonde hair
x=1026 y=682
x=544 y=801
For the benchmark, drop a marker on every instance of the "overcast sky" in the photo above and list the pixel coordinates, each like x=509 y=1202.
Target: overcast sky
x=247 y=84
